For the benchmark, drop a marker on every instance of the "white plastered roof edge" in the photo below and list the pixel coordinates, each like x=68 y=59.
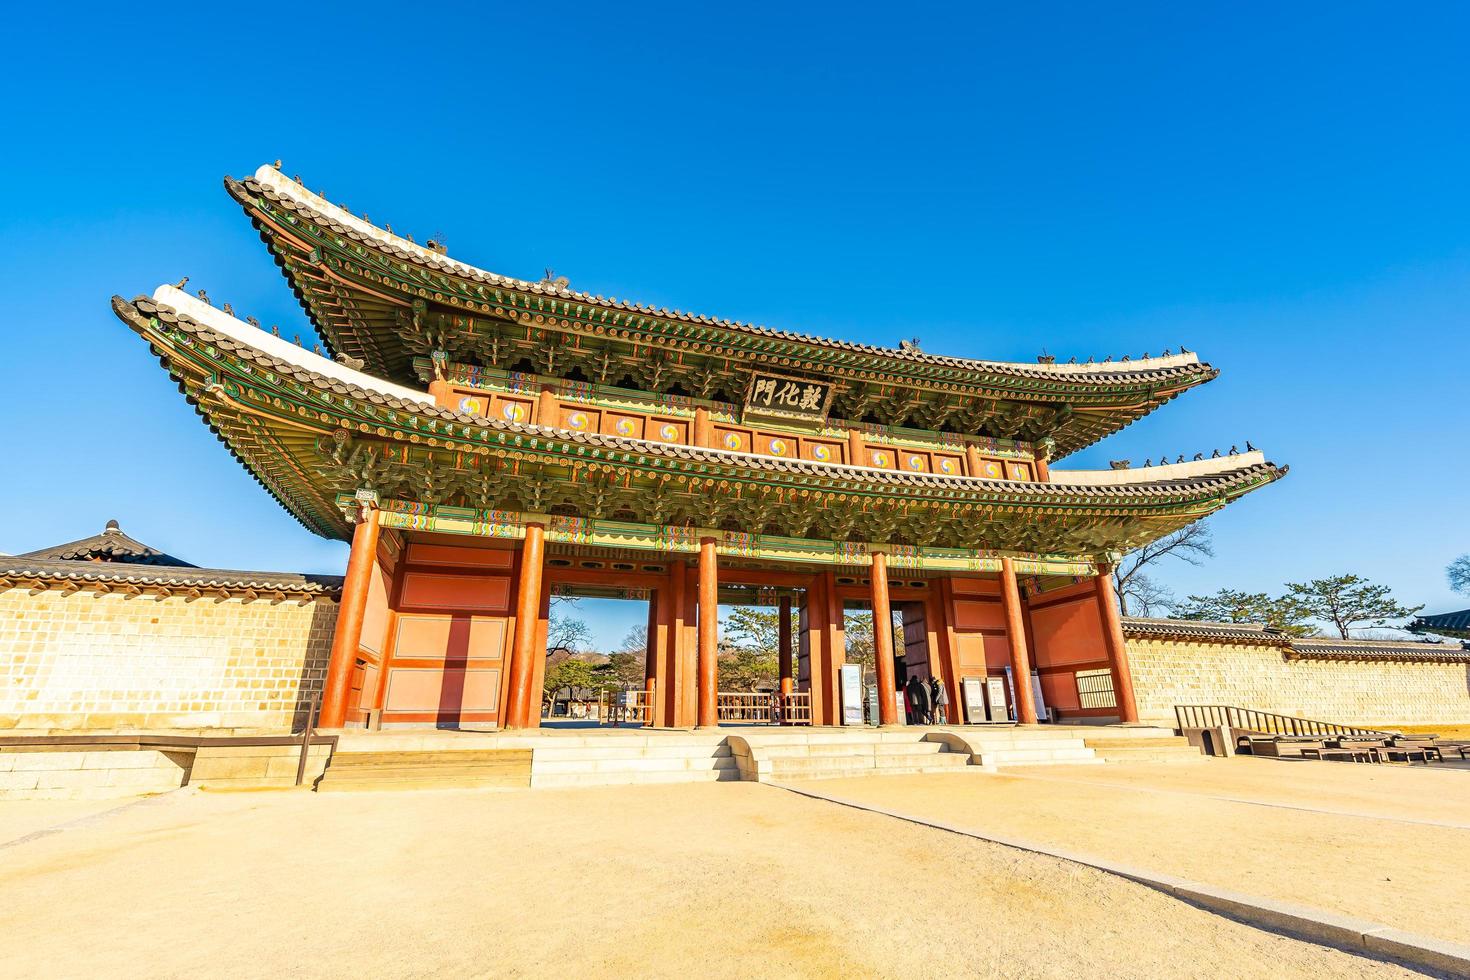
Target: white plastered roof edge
x=267 y=343
x=1158 y=474
x=270 y=177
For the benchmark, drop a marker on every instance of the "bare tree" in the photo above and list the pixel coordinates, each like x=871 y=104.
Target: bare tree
x=1459 y=574
x=1146 y=597
x=1191 y=543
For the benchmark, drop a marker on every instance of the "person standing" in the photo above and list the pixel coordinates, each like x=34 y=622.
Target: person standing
x=918 y=698
x=939 y=697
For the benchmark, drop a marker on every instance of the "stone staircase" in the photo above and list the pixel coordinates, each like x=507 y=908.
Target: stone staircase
x=787 y=754
x=602 y=759
x=497 y=768
x=1029 y=745
x=549 y=759
x=1141 y=744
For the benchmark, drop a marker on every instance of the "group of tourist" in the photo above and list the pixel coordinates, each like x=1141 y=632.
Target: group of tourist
x=926 y=704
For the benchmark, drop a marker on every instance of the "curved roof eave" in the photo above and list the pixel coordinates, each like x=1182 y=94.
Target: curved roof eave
x=310 y=368
x=1185 y=368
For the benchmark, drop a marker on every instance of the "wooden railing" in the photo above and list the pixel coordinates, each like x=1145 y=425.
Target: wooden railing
x=629 y=708
x=765 y=708
x=1218 y=715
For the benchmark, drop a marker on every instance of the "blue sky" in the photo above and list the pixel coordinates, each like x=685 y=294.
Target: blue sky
x=1279 y=187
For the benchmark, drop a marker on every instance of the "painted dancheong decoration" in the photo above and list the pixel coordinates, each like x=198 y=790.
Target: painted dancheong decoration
x=484 y=440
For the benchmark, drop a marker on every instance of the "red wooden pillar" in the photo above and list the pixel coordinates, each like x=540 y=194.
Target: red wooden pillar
x=523 y=649
x=1107 y=607
x=350 y=613
x=650 y=659
x=883 y=641
x=1010 y=594
x=856 y=448
x=709 y=634
x=783 y=645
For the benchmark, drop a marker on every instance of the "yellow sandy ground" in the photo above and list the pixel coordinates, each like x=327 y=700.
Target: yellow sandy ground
x=1367 y=859
x=691 y=880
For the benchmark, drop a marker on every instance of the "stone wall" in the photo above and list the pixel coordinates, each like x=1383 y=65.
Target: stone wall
x=1170 y=672
x=88 y=662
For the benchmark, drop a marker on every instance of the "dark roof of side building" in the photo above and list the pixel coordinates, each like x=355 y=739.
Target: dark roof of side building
x=113 y=561
x=112 y=545
x=1445 y=624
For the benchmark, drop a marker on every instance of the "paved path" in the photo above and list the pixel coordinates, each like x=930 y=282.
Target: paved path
x=703 y=879
x=1384 y=844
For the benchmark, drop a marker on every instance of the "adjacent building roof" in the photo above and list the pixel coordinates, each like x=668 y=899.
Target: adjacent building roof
x=112 y=545
x=1455 y=624
x=185 y=579
x=306 y=427
x=112 y=561
x=379 y=298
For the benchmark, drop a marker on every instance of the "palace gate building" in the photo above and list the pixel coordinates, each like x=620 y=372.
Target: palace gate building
x=486 y=443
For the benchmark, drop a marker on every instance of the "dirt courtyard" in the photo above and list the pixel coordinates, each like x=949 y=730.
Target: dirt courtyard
x=1390 y=844
x=687 y=880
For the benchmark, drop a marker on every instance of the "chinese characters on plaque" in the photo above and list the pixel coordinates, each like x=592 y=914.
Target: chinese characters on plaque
x=771 y=394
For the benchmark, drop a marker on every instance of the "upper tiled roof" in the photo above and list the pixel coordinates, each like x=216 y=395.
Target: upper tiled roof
x=112 y=545
x=296 y=198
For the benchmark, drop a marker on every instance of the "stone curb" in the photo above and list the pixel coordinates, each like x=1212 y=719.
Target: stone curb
x=1314 y=925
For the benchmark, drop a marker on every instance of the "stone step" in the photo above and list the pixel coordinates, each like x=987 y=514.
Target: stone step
x=847 y=748
x=1189 y=755
x=466 y=770
x=1129 y=732
x=422 y=782
x=1130 y=744
x=559 y=780
x=550 y=753
x=1036 y=756
x=1026 y=744
x=634 y=764
x=341 y=760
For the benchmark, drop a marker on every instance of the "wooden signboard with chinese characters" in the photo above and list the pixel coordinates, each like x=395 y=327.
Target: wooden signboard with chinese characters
x=774 y=396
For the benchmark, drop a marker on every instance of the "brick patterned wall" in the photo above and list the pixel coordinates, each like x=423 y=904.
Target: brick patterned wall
x=90 y=662
x=1170 y=672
